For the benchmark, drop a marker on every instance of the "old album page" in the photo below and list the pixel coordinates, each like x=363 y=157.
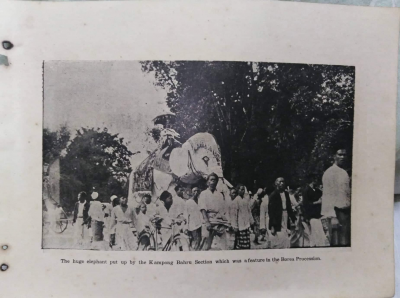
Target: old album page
x=185 y=149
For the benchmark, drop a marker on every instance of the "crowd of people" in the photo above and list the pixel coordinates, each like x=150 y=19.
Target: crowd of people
x=314 y=215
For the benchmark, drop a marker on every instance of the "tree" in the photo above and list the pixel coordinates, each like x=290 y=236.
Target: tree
x=54 y=142
x=266 y=117
x=95 y=159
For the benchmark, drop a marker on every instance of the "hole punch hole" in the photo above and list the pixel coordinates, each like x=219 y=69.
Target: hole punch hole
x=7 y=45
x=4 y=267
x=4 y=247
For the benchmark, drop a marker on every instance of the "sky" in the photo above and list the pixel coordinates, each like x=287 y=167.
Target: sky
x=112 y=94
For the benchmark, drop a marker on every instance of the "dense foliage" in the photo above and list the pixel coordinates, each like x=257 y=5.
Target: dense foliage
x=54 y=142
x=269 y=119
x=93 y=160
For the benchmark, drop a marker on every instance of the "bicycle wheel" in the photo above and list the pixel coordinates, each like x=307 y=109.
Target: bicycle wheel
x=178 y=244
x=146 y=242
x=61 y=226
x=63 y=222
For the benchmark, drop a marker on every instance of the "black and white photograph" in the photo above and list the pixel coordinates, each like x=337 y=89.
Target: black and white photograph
x=196 y=155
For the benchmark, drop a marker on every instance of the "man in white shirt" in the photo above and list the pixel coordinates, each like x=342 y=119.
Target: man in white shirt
x=143 y=226
x=107 y=208
x=114 y=202
x=179 y=201
x=233 y=194
x=194 y=220
x=151 y=208
x=123 y=218
x=97 y=217
x=336 y=200
x=264 y=218
x=80 y=218
x=214 y=210
x=241 y=219
x=173 y=220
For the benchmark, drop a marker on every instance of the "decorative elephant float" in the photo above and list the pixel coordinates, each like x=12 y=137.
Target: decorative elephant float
x=174 y=163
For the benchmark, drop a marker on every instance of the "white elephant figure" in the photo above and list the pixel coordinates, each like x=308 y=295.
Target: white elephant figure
x=198 y=157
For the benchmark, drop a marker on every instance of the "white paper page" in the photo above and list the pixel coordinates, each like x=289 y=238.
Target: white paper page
x=274 y=32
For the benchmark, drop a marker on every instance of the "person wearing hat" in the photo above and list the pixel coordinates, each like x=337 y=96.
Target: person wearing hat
x=97 y=217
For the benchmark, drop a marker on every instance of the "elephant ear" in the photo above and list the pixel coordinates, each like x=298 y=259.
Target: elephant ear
x=178 y=161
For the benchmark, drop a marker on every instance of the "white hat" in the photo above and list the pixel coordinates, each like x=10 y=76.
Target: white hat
x=113 y=197
x=95 y=195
